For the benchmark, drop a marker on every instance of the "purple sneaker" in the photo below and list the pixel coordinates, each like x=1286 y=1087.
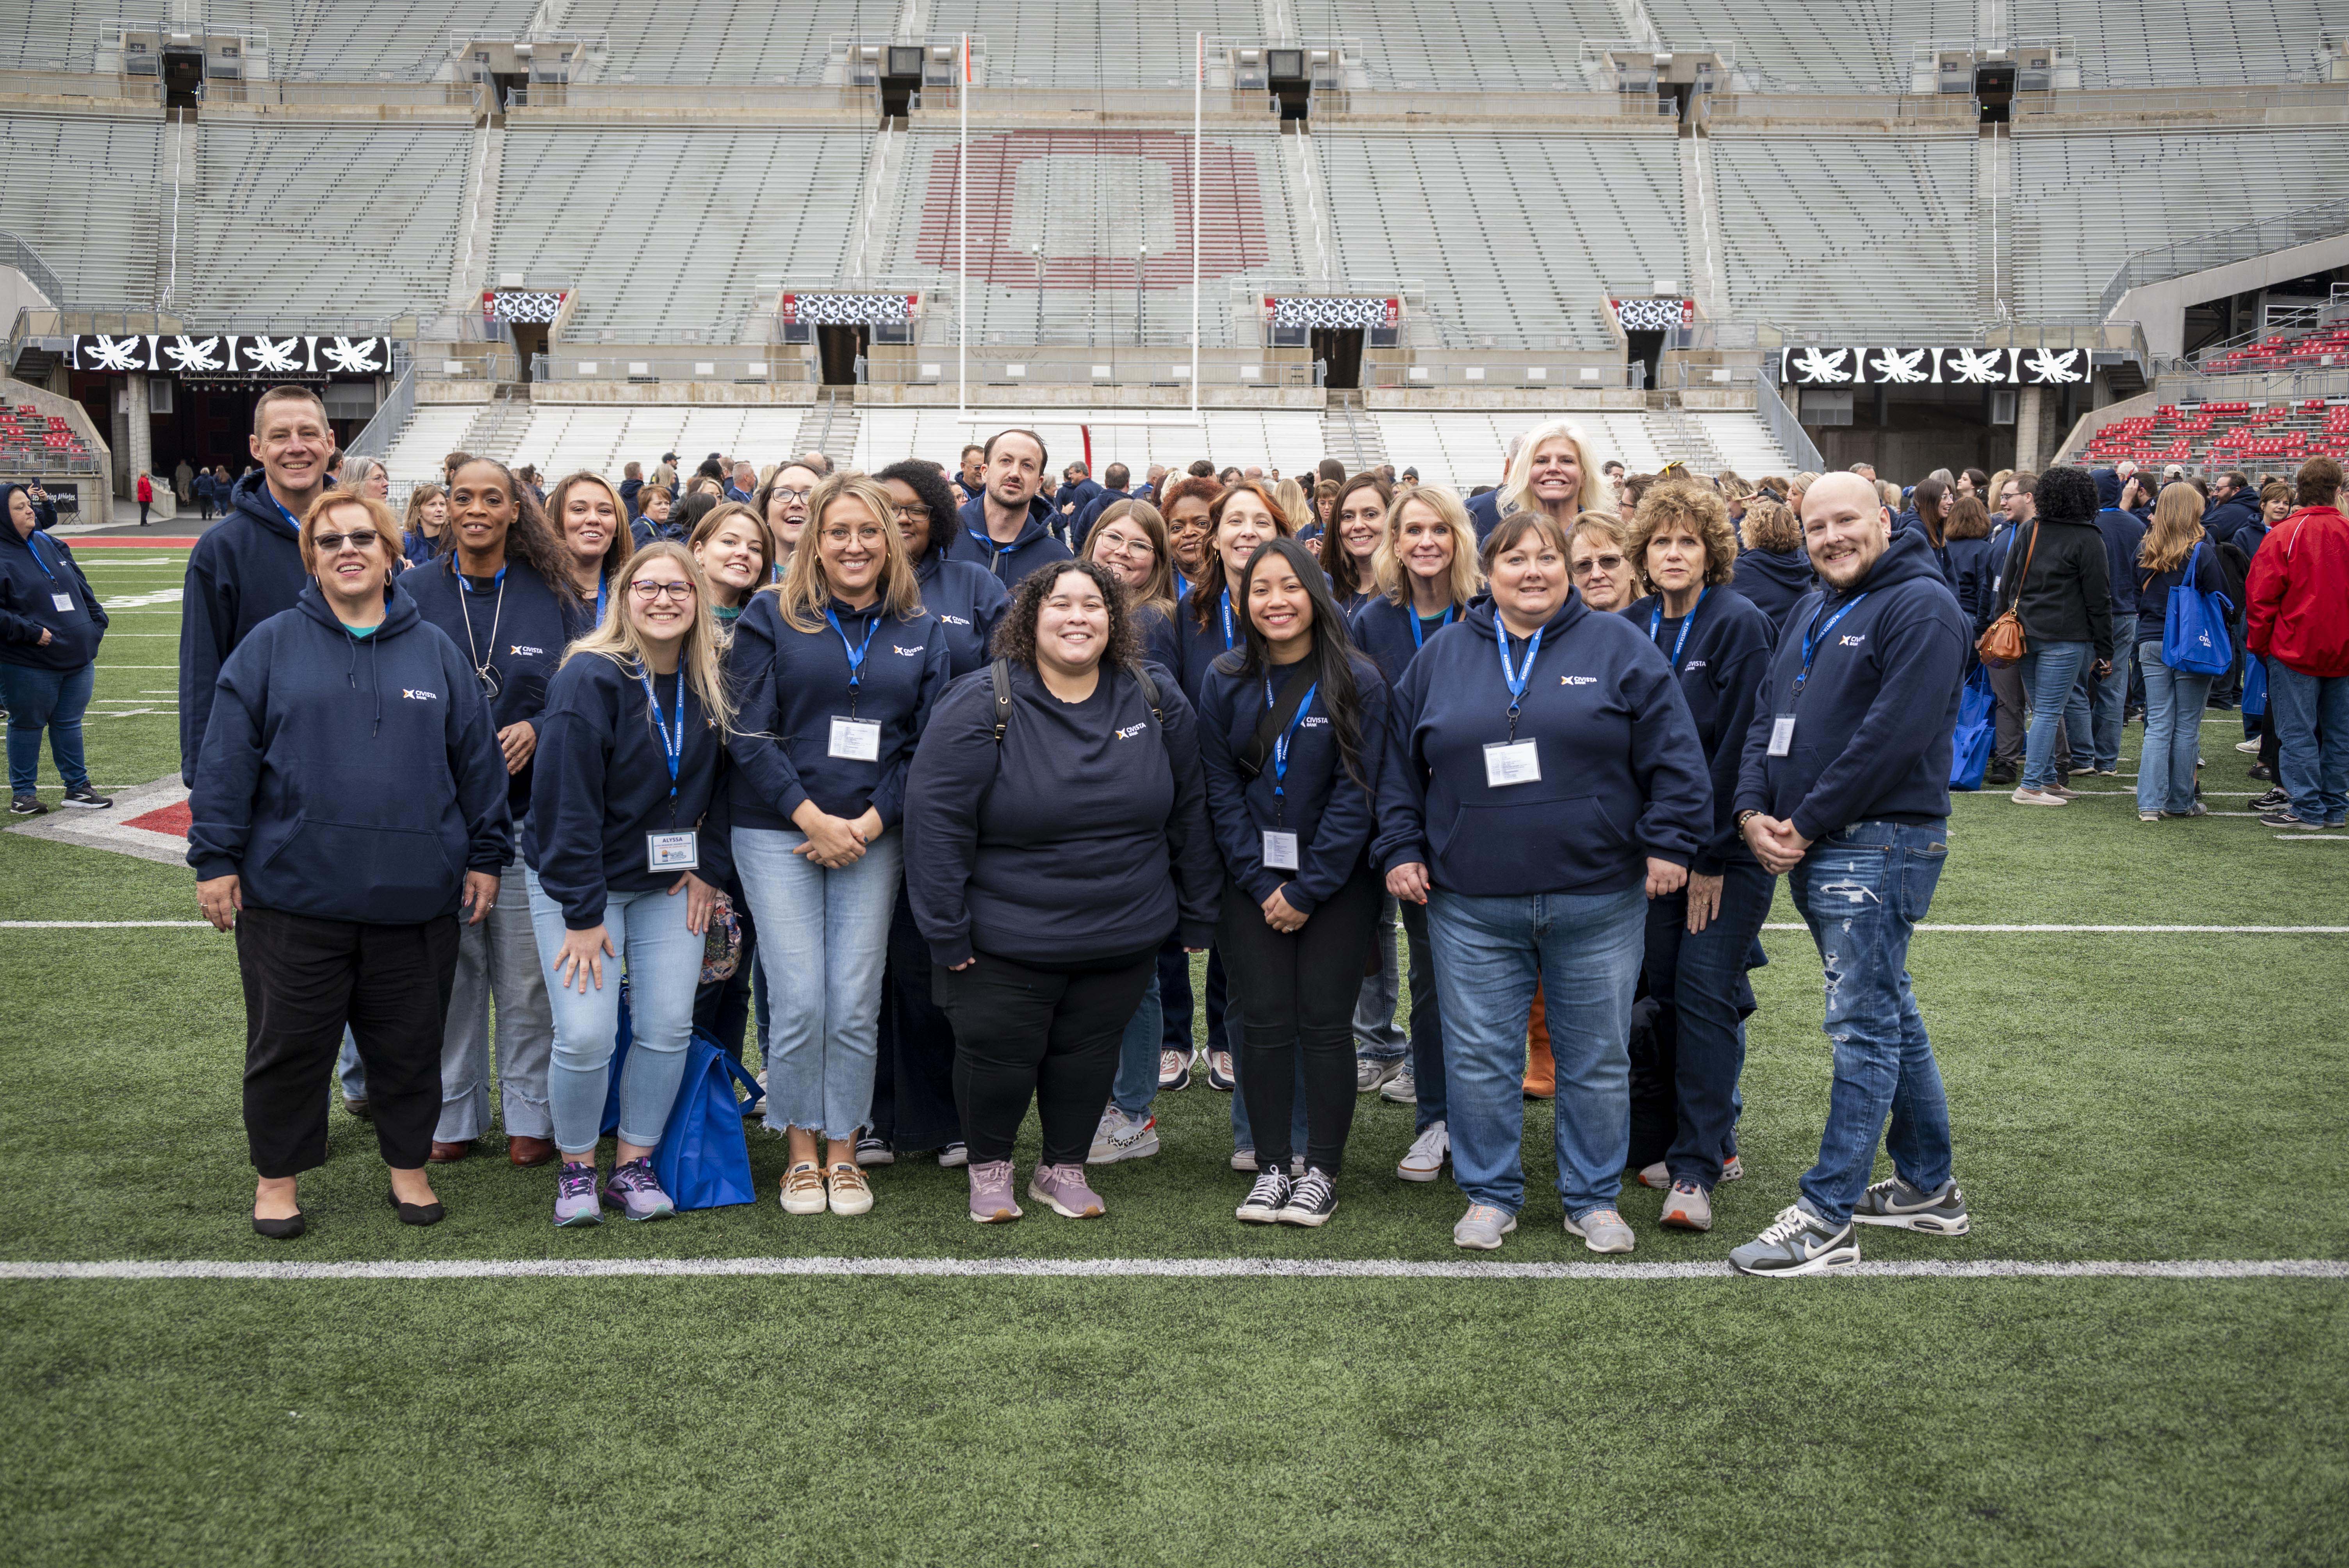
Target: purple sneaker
x=990 y=1192
x=633 y=1191
x=574 y=1194
x=1063 y=1187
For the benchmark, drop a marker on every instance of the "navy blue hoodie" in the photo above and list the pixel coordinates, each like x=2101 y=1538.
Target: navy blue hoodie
x=1721 y=668
x=349 y=777
x=1035 y=546
x=1382 y=629
x=1159 y=644
x=1873 y=724
x=1197 y=649
x=1089 y=514
x=600 y=783
x=2123 y=534
x=1329 y=812
x=2221 y=518
x=1974 y=568
x=967 y=600
x=35 y=569
x=1081 y=836
x=1484 y=514
x=518 y=628
x=1622 y=774
x=245 y=568
x=1774 y=580
x=790 y=685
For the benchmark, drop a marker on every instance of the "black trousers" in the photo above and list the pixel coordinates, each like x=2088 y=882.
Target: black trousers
x=305 y=978
x=1022 y=1032
x=914 y=1070
x=1301 y=989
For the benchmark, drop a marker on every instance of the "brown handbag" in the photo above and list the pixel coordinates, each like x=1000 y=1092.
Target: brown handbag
x=2002 y=644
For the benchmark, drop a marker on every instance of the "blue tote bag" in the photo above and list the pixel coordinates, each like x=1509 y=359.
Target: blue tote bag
x=704 y=1158
x=2194 y=640
x=1977 y=727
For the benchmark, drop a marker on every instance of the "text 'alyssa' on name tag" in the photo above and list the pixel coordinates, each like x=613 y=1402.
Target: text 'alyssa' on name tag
x=678 y=851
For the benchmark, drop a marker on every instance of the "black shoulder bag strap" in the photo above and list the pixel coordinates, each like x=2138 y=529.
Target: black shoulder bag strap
x=1275 y=722
x=1001 y=673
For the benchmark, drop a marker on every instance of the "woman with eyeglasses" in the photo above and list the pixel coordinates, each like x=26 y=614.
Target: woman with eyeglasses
x=626 y=846
x=1533 y=808
x=836 y=668
x=587 y=512
x=1359 y=527
x=349 y=804
x=784 y=502
x=503 y=594
x=1427 y=576
x=1136 y=549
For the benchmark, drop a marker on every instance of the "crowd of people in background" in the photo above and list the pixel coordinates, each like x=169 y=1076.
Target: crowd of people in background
x=934 y=781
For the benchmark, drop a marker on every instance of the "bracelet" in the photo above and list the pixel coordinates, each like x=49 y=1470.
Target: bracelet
x=1746 y=816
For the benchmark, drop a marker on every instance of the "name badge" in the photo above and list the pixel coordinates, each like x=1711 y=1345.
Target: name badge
x=1511 y=762
x=856 y=739
x=1782 y=735
x=1280 y=850
x=62 y=601
x=672 y=852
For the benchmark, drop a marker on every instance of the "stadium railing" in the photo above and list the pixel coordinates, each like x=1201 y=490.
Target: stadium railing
x=2237 y=242
x=15 y=252
x=1784 y=427
x=1920 y=108
x=390 y=417
x=145 y=90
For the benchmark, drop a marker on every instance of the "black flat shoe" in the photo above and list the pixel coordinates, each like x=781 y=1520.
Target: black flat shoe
x=284 y=1229
x=415 y=1213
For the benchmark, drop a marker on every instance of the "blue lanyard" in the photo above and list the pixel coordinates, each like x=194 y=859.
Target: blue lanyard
x=1182 y=585
x=1419 y=632
x=499 y=582
x=1656 y=622
x=35 y=551
x=672 y=742
x=996 y=552
x=1817 y=634
x=1226 y=608
x=603 y=590
x=1281 y=746
x=1516 y=678
x=856 y=654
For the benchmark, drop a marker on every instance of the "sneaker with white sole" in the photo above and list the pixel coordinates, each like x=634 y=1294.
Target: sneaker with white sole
x=2249 y=748
x=27 y=806
x=1122 y=1137
x=1403 y=1088
x=1687 y=1207
x=88 y=798
x=1732 y=1169
x=1265 y=1201
x=846 y=1191
x=803 y=1189
x=1797 y=1242
x=1063 y=1188
x=636 y=1191
x=2038 y=797
x=2285 y=817
x=1602 y=1230
x=872 y=1150
x=1660 y=1175
x=1220 y=1075
x=955 y=1155
x=1311 y=1200
x=1371 y=1074
x=1482 y=1228
x=1429 y=1150
x=1243 y=1158
x=992 y=1202
x=1894 y=1203
x=574 y=1194
x=1174 y=1071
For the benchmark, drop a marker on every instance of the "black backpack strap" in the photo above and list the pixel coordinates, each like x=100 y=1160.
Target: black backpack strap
x=1150 y=693
x=1001 y=673
x=1274 y=722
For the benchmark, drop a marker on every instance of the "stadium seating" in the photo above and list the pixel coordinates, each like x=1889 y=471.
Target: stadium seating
x=1863 y=45
x=1471 y=46
x=725 y=41
x=2270 y=435
x=2182 y=43
x=30 y=439
x=1119 y=44
x=2325 y=348
x=83 y=191
x=431 y=433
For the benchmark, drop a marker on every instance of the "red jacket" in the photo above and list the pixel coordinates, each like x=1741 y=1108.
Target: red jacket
x=146 y=491
x=2298 y=591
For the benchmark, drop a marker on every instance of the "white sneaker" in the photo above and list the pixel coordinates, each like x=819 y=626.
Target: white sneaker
x=1403 y=1088
x=2037 y=797
x=2248 y=747
x=955 y=1154
x=1658 y=1176
x=1428 y=1152
x=1243 y=1158
x=1370 y=1074
x=1119 y=1137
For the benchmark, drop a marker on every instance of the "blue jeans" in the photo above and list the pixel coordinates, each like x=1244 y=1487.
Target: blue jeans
x=2107 y=699
x=663 y=960
x=2311 y=714
x=2173 y=733
x=823 y=936
x=1585 y=950
x=1137 y=1058
x=53 y=700
x=2051 y=684
x=1426 y=1021
x=1376 y=1038
x=1862 y=889
x=1700 y=982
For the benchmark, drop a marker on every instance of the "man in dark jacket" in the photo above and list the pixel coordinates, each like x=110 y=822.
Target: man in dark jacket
x=2123 y=534
x=1078 y=489
x=1845 y=788
x=2233 y=502
x=2059 y=587
x=1115 y=478
x=1008 y=529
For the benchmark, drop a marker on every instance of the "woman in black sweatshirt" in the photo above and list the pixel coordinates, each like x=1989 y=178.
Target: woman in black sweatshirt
x=1056 y=834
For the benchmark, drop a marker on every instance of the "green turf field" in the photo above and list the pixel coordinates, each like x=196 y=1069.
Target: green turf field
x=2125 y=1095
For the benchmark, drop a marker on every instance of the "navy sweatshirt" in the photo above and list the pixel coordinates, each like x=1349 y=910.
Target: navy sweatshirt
x=790 y=685
x=246 y=568
x=1035 y=546
x=2152 y=588
x=1083 y=836
x=2123 y=534
x=520 y=636
x=1484 y=514
x=1622 y=774
x=1328 y=812
x=1774 y=581
x=1198 y=649
x=1973 y=569
x=1873 y=724
x=349 y=777
x=35 y=569
x=1721 y=669
x=1159 y=644
x=600 y=783
x=1382 y=629
x=968 y=601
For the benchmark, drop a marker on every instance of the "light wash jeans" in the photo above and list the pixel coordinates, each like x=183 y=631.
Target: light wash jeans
x=1376 y=1037
x=1862 y=889
x=663 y=961
x=2173 y=733
x=2311 y=714
x=823 y=937
x=1585 y=949
x=1137 y=1086
x=497 y=959
x=2050 y=682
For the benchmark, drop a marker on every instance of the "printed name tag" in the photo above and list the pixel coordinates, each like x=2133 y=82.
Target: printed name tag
x=1280 y=850
x=856 y=739
x=1782 y=735
x=672 y=852
x=62 y=601
x=1511 y=762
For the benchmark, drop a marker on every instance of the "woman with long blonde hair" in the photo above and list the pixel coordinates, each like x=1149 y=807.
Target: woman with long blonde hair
x=1556 y=472
x=2174 y=552
x=836 y=668
x=630 y=751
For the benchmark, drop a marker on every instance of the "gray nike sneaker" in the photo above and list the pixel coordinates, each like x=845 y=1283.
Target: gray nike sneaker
x=1482 y=1227
x=1797 y=1242
x=1896 y=1202
x=1602 y=1230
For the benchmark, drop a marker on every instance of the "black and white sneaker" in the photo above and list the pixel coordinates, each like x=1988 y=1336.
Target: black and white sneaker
x=2285 y=817
x=1797 y=1242
x=88 y=798
x=1266 y=1198
x=872 y=1150
x=27 y=806
x=2268 y=801
x=1313 y=1201
x=1220 y=1077
x=1942 y=1213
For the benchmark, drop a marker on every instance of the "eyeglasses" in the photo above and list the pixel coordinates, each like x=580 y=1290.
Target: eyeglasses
x=1124 y=544
x=787 y=493
x=648 y=590
x=360 y=539
x=1591 y=563
x=913 y=509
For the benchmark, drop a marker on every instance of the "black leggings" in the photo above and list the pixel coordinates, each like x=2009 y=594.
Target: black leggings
x=1052 y=1033
x=1298 y=992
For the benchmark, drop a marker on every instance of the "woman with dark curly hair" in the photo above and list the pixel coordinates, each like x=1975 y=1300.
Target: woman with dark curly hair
x=1056 y=834
x=966 y=598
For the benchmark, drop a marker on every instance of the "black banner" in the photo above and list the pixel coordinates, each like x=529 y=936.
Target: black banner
x=257 y=355
x=1815 y=366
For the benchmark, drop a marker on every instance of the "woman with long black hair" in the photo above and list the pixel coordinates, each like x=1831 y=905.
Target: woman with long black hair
x=1290 y=723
